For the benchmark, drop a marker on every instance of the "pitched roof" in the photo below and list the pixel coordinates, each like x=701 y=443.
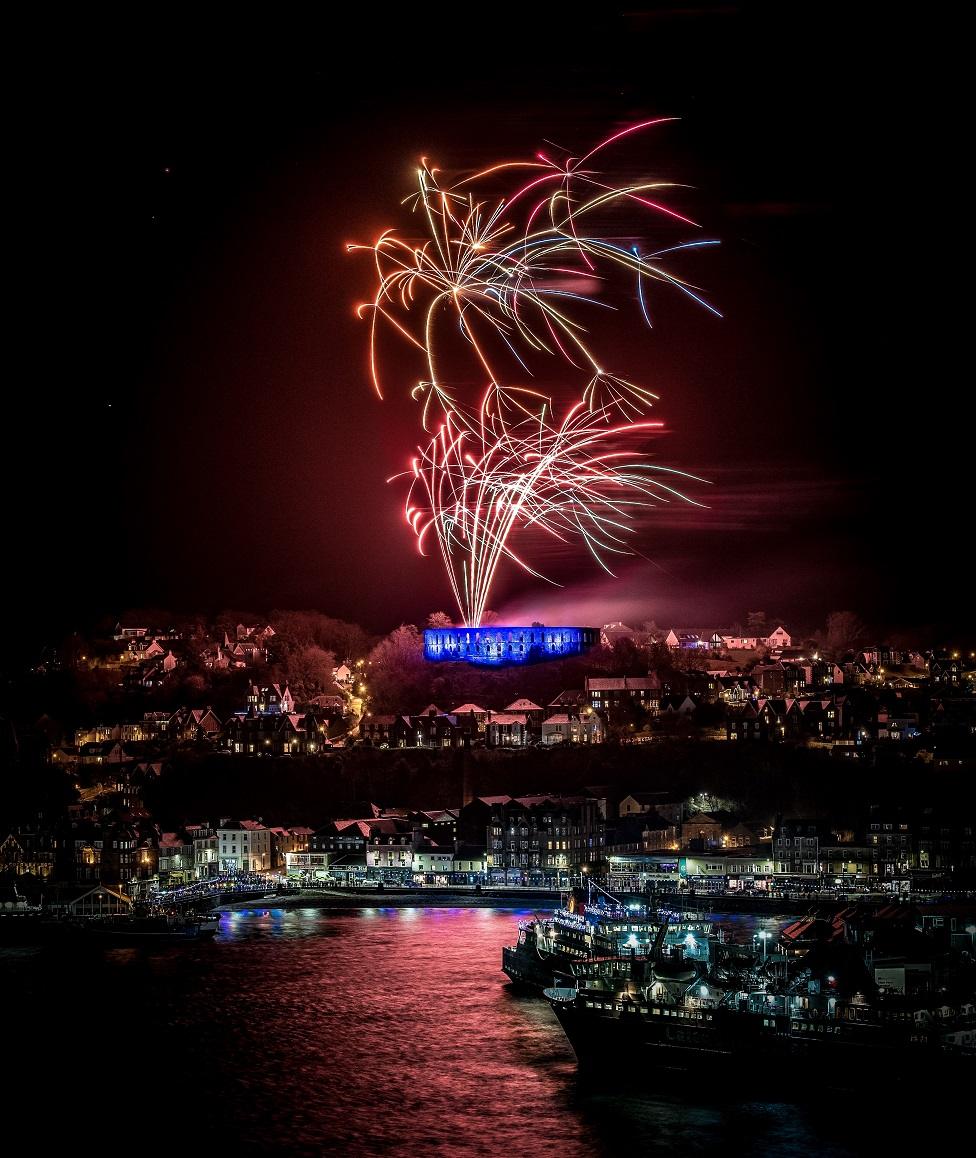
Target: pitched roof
x=622 y=683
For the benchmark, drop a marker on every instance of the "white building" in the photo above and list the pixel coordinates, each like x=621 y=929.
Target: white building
x=243 y=846
x=561 y=728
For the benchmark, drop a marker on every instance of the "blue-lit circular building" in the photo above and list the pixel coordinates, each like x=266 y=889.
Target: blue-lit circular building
x=501 y=645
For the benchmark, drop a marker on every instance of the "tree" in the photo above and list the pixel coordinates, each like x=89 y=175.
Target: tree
x=844 y=632
x=309 y=671
x=398 y=676
x=439 y=619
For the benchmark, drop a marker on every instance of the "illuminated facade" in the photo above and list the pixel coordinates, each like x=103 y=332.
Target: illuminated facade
x=503 y=645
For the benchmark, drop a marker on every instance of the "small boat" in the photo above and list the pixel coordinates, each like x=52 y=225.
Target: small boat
x=151 y=929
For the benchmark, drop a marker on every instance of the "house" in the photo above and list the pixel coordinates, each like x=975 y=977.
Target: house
x=609 y=692
x=470 y=858
x=106 y=752
x=343 y=844
x=129 y=632
x=439 y=824
x=642 y=803
x=702 y=830
x=287 y=842
x=778 y=639
x=389 y=844
x=273 y=700
x=523 y=707
x=330 y=705
x=247 y=652
x=143 y=648
x=741 y=642
x=216 y=658
x=568 y=701
x=946 y=671
x=641 y=832
x=273 y=734
x=433 y=729
x=685 y=640
x=195 y=724
x=379 y=729
x=677 y=705
x=613 y=633
x=430 y=858
x=175 y=858
x=561 y=728
x=472 y=717
x=95 y=902
x=507 y=730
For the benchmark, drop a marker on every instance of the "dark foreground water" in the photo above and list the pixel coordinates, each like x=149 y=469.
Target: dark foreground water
x=366 y=1032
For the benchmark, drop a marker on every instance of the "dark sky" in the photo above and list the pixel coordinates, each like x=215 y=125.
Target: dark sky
x=193 y=426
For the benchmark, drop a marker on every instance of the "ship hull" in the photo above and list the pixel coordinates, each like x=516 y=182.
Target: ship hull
x=527 y=969
x=744 y=1049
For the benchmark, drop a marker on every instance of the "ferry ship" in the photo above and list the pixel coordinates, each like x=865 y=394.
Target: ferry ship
x=821 y=1014
x=597 y=934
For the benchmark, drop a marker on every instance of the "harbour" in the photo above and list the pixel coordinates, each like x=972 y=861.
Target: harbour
x=365 y=1030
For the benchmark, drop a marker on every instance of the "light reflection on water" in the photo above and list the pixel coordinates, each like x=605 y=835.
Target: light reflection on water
x=365 y=1032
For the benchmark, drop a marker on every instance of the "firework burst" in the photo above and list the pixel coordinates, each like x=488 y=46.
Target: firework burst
x=504 y=273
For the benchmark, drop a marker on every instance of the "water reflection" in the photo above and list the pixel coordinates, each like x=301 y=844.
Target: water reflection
x=363 y=1032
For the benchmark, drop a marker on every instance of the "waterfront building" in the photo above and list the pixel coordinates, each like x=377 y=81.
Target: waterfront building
x=390 y=844
x=205 y=844
x=440 y=824
x=796 y=846
x=176 y=859
x=537 y=834
x=243 y=846
x=289 y=840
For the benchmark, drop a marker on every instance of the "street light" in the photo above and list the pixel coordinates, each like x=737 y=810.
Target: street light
x=763 y=936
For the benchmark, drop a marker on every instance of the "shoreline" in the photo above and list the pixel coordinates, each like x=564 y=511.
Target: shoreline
x=545 y=900
x=374 y=899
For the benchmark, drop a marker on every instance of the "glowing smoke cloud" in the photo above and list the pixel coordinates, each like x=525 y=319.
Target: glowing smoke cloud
x=505 y=274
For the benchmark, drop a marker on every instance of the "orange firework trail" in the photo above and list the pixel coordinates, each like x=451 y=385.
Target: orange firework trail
x=502 y=272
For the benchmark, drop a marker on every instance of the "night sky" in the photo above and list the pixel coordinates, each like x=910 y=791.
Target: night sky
x=193 y=426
